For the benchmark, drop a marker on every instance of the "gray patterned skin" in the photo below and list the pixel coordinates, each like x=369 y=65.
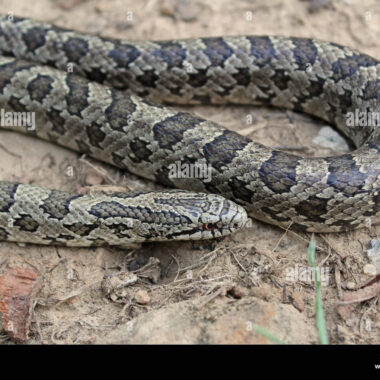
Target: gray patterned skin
x=37 y=215
x=319 y=78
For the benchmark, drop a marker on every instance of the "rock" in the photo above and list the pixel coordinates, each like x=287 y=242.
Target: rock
x=18 y=287
x=101 y=7
x=167 y=8
x=186 y=10
x=217 y=322
x=238 y=292
x=142 y=297
x=297 y=301
x=373 y=253
x=351 y=285
x=329 y=138
x=316 y=5
x=369 y=270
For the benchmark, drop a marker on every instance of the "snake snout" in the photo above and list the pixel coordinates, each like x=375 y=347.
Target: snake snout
x=224 y=217
x=235 y=218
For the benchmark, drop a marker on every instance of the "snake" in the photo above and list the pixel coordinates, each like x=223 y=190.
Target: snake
x=114 y=100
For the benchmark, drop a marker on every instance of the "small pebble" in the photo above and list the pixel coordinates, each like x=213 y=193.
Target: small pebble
x=186 y=10
x=167 y=8
x=241 y=274
x=238 y=292
x=350 y=285
x=329 y=138
x=142 y=297
x=373 y=253
x=369 y=270
x=317 y=4
x=297 y=301
x=100 y=7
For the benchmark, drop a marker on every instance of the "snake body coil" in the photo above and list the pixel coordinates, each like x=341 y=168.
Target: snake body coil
x=97 y=100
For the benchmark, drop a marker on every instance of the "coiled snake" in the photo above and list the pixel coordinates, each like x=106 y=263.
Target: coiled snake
x=94 y=95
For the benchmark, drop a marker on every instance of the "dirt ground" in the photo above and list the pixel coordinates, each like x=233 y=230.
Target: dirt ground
x=201 y=292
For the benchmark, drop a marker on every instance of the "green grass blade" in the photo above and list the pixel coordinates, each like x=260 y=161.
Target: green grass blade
x=267 y=334
x=319 y=314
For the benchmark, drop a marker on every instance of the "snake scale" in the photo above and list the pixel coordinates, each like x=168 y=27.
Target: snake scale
x=103 y=97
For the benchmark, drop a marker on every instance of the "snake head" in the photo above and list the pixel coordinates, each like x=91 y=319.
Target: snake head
x=194 y=216
x=223 y=217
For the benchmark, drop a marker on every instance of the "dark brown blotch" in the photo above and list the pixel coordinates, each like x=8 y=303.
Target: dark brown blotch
x=123 y=54
x=345 y=175
x=281 y=79
x=75 y=48
x=243 y=76
x=141 y=152
x=56 y=205
x=96 y=75
x=278 y=173
x=95 y=134
x=80 y=228
x=171 y=53
x=316 y=87
x=312 y=208
x=148 y=79
x=40 y=87
x=8 y=71
x=34 y=38
x=26 y=223
x=262 y=49
x=305 y=52
x=348 y=66
x=169 y=132
x=58 y=122
x=78 y=93
x=15 y=104
x=217 y=50
x=119 y=111
x=198 y=79
x=224 y=148
x=120 y=230
x=239 y=190
x=112 y=209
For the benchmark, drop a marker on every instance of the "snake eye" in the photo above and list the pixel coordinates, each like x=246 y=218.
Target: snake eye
x=209 y=226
